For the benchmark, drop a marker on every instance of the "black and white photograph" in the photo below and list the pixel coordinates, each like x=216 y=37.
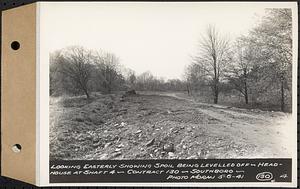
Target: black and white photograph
x=140 y=81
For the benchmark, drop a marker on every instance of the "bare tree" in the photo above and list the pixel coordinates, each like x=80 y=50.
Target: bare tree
x=54 y=76
x=273 y=36
x=75 y=64
x=213 y=56
x=238 y=71
x=131 y=79
x=107 y=71
x=196 y=77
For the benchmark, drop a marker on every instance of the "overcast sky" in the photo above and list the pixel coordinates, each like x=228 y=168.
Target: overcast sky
x=159 y=37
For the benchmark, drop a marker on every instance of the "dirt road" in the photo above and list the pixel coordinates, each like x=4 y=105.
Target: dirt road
x=160 y=126
x=270 y=132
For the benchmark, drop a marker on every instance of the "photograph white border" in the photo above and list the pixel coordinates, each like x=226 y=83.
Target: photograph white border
x=43 y=105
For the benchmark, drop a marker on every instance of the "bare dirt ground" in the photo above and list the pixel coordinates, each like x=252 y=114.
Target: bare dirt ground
x=162 y=126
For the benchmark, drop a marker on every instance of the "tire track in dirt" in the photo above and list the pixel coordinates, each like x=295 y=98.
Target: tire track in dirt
x=262 y=129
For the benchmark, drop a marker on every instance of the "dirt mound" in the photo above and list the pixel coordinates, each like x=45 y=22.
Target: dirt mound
x=130 y=93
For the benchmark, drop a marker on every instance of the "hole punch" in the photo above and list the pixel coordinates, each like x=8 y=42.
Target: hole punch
x=15 y=45
x=17 y=148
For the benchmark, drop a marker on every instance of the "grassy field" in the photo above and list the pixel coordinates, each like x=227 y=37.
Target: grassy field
x=162 y=126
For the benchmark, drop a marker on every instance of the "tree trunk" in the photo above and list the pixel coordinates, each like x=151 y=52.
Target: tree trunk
x=282 y=95
x=189 y=89
x=246 y=93
x=216 y=81
x=246 y=98
x=216 y=93
x=87 y=94
x=245 y=86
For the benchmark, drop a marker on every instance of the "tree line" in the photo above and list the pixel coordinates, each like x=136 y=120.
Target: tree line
x=257 y=66
x=76 y=70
